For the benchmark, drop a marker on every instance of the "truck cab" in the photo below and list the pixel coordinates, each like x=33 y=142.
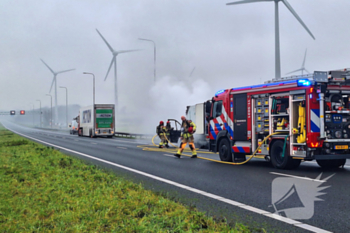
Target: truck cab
x=74 y=126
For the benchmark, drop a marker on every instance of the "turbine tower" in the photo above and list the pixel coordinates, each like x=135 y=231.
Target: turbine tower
x=55 y=81
x=277 y=36
x=302 y=66
x=114 y=62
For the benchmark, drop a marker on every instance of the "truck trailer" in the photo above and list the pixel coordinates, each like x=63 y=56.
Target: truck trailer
x=97 y=120
x=292 y=119
x=199 y=114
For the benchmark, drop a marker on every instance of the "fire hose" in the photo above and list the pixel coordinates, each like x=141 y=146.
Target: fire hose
x=232 y=163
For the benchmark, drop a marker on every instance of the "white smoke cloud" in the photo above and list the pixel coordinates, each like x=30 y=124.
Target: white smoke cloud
x=167 y=99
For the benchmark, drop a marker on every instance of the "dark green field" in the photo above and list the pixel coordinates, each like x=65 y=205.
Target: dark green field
x=43 y=190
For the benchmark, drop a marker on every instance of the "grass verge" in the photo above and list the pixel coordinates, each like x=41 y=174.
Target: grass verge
x=43 y=190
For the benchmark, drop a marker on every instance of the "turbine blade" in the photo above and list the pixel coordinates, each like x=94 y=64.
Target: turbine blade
x=304 y=59
x=297 y=17
x=53 y=80
x=64 y=71
x=247 y=1
x=47 y=66
x=110 y=66
x=295 y=71
x=127 y=51
x=110 y=47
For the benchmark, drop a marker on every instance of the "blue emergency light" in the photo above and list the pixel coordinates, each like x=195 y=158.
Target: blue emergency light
x=304 y=82
x=219 y=92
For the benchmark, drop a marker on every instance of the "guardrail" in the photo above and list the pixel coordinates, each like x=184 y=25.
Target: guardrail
x=130 y=135
x=117 y=134
x=53 y=129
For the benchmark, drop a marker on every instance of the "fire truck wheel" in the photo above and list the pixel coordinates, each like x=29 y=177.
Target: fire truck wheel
x=334 y=163
x=225 y=150
x=285 y=162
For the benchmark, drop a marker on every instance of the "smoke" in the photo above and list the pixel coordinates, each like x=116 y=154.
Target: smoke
x=166 y=99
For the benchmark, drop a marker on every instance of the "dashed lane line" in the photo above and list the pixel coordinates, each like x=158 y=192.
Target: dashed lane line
x=124 y=148
x=201 y=192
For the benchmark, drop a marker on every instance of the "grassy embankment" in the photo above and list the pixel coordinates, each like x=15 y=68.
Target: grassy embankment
x=44 y=190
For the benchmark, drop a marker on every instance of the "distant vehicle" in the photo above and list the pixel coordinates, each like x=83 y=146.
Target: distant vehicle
x=96 y=121
x=74 y=126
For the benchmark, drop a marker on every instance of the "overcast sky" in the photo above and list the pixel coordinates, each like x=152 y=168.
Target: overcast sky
x=227 y=46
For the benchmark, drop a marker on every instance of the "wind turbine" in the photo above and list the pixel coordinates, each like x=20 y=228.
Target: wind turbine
x=277 y=36
x=55 y=81
x=114 y=61
x=192 y=72
x=302 y=66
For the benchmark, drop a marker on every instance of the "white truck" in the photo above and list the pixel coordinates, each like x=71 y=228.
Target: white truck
x=199 y=114
x=97 y=120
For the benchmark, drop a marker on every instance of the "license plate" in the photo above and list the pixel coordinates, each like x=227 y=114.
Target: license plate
x=341 y=147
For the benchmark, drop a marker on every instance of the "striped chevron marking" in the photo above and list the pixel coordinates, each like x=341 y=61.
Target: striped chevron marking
x=241 y=149
x=220 y=123
x=315 y=120
x=212 y=135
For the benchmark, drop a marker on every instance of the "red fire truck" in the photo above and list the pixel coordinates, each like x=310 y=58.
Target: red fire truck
x=291 y=118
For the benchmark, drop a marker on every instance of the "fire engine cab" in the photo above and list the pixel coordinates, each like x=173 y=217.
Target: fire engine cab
x=286 y=120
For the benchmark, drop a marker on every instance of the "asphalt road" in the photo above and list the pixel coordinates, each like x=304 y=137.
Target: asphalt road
x=249 y=193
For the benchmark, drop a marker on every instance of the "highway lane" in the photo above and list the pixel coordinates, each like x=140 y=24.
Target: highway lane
x=250 y=184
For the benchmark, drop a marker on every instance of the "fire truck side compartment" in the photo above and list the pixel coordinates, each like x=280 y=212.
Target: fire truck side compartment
x=240 y=117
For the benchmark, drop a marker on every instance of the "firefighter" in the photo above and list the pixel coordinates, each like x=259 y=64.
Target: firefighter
x=168 y=129
x=161 y=131
x=188 y=129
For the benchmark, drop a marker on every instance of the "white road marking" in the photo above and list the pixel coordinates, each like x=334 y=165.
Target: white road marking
x=76 y=140
x=122 y=148
x=299 y=177
x=210 y=195
x=169 y=155
x=93 y=143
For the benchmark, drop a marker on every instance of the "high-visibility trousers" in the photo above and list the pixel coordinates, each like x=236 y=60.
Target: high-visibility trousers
x=163 y=140
x=190 y=140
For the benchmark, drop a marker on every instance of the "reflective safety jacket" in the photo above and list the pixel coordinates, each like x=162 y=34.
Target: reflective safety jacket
x=186 y=125
x=168 y=129
x=161 y=130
